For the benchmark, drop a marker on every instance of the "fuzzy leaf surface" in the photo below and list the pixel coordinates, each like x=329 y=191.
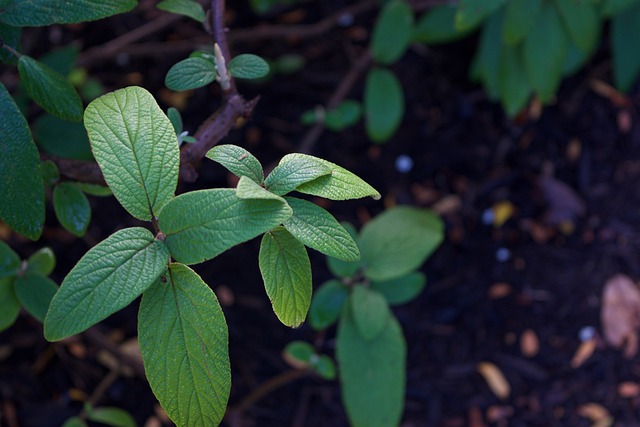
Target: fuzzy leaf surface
x=134 y=143
x=35 y=291
x=319 y=230
x=286 y=272
x=42 y=262
x=72 y=209
x=107 y=278
x=200 y=225
x=9 y=304
x=293 y=171
x=327 y=304
x=35 y=13
x=370 y=311
x=238 y=161
x=22 y=195
x=383 y=104
x=249 y=189
x=184 y=343
x=188 y=8
x=190 y=73
x=248 y=66
x=392 y=32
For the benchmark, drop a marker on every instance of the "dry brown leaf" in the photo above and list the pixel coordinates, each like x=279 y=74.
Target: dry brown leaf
x=583 y=353
x=495 y=379
x=620 y=314
x=596 y=413
x=448 y=205
x=529 y=343
x=629 y=389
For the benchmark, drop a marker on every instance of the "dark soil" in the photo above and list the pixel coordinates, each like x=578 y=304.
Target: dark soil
x=488 y=285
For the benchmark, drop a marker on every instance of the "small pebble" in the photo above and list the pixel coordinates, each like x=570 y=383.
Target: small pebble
x=404 y=163
x=587 y=333
x=503 y=254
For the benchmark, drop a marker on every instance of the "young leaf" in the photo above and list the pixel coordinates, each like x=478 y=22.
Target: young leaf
x=346 y=114
x=286 y=272
x=299 y=354
x=9 y=261
x=471 y=13
x=340 y=184
x=107 y=278
x=22 y=195
x=372 y=373
x=247 y=66
x=370 y=311
x=398 y=241
x=42 y=262
x=392 y=32
x=383 y=104
x=327 y=304
x=185 y=348
x=238 y=161
x=402 y=289
x=514 y=86
x=202 y=224
x=190 y=73
x=325 y=368
x=188 y=8
x=49 y=89
x=437 y=25
x=293 y=171
x=72 y=209
x=625 y=31
x=35 y=13
x=318 y=229
x=520 y=15
x=249 y=189
x=49 y=172
x=176 y=119
x=136 y=148
x=115 y=417
x=582 y=21
x=34 y=291
x=9 y=304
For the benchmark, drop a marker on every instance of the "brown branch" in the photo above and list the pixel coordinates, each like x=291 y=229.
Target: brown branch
x=78 y=170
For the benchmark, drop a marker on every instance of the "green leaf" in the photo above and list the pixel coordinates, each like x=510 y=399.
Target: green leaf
x=575 y=60
x=190 y=73
x=383 y=104
x=238 y=161
x=136 y=148
x=340 y=184
x=185 y=348
x=437 y=25
x=188 y=8
x=392 y=32
x=50 y=89
x=176 y=119
x=72 y=209
x=35 y=291
x=398 y=241
x=9 y=261
x=249 y=189
x=35 y=13
x=327 y=304
x=370 y=311
x=74 y=422
x=325 y=368
x=9 y=304
x=471 y=13
x=22 y=195
x=62 y=60
x=286 y=272
x=91 y=189
x=346 y=114
x=202 y=224
x=519 y=18
x=318 y=229
x=107 y=278
x=582 y=21
x=625 y=31
x=299 y=354
x=544 y=51
x=50 y=173
x=372 y=373
x=293 y=171
x=115 y=417
x=42 y=262
x=613 y=7
x=514 y=86
x=62 y=138
x=10 y=36
x=247 y=66
x=402 y=289
x=486 y=62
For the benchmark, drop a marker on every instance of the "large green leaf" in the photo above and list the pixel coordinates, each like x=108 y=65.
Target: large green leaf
x=62 y=138
x=383 y=104
x=402 y=289
x=42 y=262
x=107 y=278
x=515 y=89
x=249 y=189
x=392 y=32
x=437 y=25
x=582 y=21
x=200 y=225
x=190 y=73
x=544 y=51
x=293 y=171
x=318 y=229
x=9 y=261
x=9 y=304
x=625 y=32
x=372 y=373
x=50 y=89
x=22 y=195
x=340 y=184
x=135 y=145
x=248 y=66
x=327 y=303
x=189 y=8
x=398 y=241
x=72 y=208
x=184 y=342
x=35 y=291
x=286 y=272
x=34 y=13
x=472 y=12
x=520 y=15
x=238 y=161
x=370 y=311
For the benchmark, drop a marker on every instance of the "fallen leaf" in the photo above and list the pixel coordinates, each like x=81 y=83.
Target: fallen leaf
x=620 y=314
x=596 y=413
x=499 y=290
x=563 y=203
x=495 y=379
x=529 y=344
x=583 y=353
x=629 y=389
x=448 y=205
